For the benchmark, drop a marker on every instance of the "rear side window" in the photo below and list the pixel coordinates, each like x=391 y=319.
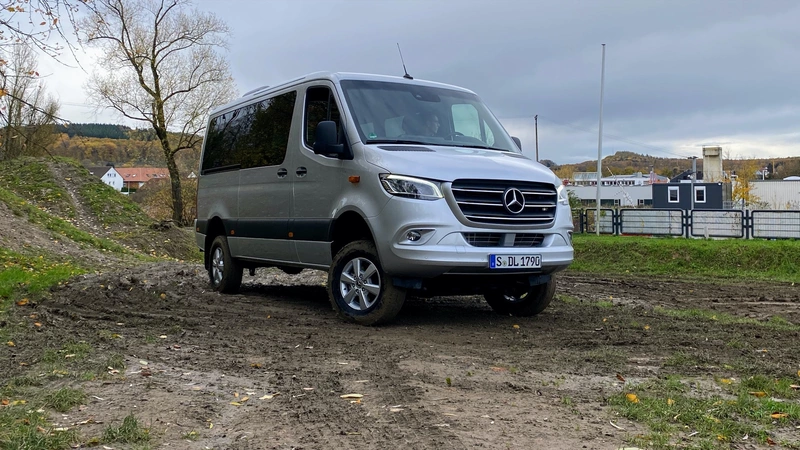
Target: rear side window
x=320 y=106
x=254 y=135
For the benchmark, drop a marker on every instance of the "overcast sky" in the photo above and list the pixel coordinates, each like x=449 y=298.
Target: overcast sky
x=679 y=74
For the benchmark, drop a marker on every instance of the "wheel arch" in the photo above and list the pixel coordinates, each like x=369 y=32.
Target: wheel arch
x=349 y=227
x=216 y=227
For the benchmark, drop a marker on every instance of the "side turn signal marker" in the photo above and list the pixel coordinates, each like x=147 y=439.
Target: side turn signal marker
x=354 y=179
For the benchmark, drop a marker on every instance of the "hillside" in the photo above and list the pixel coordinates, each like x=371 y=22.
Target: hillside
x=55 y=212
x=623 y=163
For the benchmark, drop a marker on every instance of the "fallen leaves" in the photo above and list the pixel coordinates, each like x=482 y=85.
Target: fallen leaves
x=620 y=377
x=758 y=394
x=11 y=344
x=779 y=415
x=632 y=398
x=22 y=302
x=726 y=380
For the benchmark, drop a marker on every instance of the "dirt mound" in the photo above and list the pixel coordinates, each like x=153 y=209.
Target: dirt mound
x=63 y=212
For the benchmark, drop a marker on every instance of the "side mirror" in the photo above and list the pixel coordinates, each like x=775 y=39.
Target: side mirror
x=325 y=142
x=517 y=141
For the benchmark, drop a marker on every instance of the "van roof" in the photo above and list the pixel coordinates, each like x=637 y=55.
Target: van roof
x=335 y=77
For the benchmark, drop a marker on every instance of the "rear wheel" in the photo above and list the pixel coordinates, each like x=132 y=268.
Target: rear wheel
x=359 y=289
x=224 y=272
x=522 y=300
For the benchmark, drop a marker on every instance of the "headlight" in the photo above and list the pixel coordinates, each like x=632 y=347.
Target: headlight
x=410 y=187
x=563 y=198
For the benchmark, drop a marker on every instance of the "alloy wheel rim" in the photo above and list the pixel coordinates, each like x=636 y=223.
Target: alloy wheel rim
x=360 y=284
x=217 y=266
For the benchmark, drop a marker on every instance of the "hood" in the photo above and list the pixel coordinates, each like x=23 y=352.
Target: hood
x=450 y=163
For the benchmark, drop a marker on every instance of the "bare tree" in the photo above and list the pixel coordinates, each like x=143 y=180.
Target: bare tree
x=39 y=23
x=160 y=66
x=27 y=114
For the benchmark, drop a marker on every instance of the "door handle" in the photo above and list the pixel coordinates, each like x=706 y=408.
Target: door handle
x=301 y=171
x=282 y=172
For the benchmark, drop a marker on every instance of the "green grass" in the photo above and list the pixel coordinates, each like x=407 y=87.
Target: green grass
x=31 y=179
x=672 y=411
x=22 y=426
x=55 y=224
x=129 y=432
x=26 y=275
x=64 y=399
x=110 y=207
x=688 y=258
x=775 y=323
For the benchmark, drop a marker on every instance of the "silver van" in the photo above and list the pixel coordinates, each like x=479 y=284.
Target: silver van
x=392 y=185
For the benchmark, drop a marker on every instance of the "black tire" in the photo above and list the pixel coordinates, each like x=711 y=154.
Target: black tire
x=359 y=289
x=224 y=272
x=522 y=300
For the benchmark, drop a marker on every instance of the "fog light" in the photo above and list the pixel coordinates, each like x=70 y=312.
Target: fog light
x=413 y=236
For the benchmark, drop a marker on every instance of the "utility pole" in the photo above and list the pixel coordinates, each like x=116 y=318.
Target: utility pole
x=600 y=143
x=694 y=177
x=536 y=130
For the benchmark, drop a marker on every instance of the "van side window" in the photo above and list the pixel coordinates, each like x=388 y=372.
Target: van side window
x=254 y=135
x=320 y=105
x=264 y=136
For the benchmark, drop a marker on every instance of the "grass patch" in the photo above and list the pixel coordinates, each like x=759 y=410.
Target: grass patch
x=31 y=179
x=775 y=323
x=22 y=275
x=64 y=399
x=129 y=432
x=692 y=258
x=110 y=207
x=57 y=225
x=675 y=413
x=24 y=427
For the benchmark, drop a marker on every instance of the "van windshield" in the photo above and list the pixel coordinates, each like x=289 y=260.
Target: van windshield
x=401 y=113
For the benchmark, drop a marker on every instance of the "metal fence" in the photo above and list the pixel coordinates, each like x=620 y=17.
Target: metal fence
x=705 y=223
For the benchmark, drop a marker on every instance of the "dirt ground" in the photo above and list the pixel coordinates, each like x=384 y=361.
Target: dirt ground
x=267 y=369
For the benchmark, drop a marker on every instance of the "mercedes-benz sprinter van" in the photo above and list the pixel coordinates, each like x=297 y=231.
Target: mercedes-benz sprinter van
x=391 y=185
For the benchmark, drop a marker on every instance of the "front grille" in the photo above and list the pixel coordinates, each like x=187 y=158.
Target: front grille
x=528 y=240
x=503 y=240
x=481 y=201
x=483 y=239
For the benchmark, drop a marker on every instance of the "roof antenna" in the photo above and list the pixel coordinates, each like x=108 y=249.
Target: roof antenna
x=406 y=76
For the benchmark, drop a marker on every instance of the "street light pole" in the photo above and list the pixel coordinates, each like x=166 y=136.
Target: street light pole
x=536 y=130
x=600 y=143
x=694 y=177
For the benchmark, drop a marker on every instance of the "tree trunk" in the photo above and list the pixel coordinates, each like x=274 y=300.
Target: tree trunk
x=174 y=176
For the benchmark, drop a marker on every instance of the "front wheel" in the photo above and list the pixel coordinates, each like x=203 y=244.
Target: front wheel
x=522 y=300
x=224 y=272
x=359 y=289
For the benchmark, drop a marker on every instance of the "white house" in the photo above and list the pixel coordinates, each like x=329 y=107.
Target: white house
x=108 y=175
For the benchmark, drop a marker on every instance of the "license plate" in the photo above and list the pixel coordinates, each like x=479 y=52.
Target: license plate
x=515 y=261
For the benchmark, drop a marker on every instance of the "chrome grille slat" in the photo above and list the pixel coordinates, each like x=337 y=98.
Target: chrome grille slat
x=481 y=201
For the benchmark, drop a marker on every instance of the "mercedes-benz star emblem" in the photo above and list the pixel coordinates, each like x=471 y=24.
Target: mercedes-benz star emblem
x=513 y=200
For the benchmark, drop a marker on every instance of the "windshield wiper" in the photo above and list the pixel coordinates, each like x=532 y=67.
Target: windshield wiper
x=394 y=141
x=485 y=147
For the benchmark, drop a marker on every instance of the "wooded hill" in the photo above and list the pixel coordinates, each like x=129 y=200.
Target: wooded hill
x=626 y=163
x=99 y=144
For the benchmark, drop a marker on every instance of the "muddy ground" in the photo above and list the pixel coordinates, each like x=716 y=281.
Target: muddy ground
x=266 y=369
